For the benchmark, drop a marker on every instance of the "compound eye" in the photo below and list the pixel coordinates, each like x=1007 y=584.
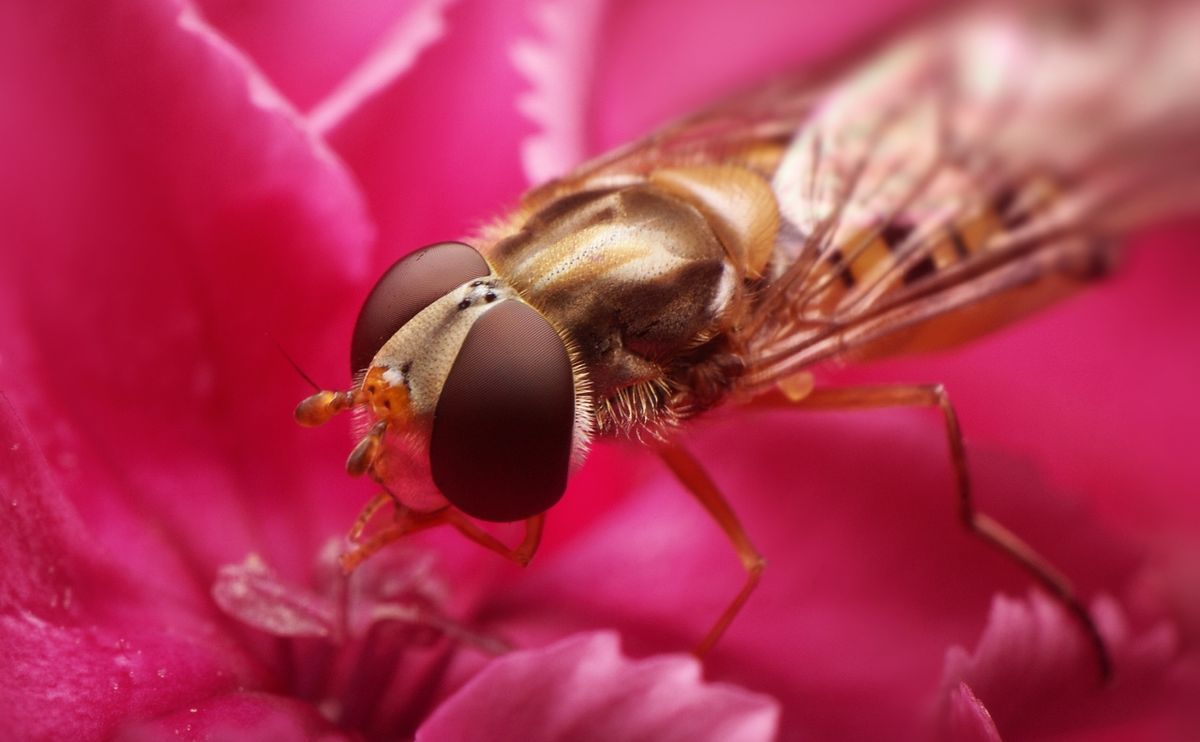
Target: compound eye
x=411 y=284
x=500 y=448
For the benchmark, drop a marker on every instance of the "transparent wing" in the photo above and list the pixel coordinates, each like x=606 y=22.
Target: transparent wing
x=973 y=172
x=752 y=128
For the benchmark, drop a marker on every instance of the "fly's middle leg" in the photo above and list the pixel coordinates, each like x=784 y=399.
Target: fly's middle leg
x=689 y=472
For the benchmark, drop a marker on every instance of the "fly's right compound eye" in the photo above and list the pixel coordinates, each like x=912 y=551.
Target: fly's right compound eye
x=500 y=448
x=411 y=284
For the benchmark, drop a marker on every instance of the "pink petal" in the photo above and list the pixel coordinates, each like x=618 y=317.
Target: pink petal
x=166 y=213
x=421 y=25
x=967 y=718
x=1036 y=674
x=252 y=593
x=248 y=717
x=308 y=47
x=437 y=151
x=582 y=688
x=84 y=644
x=559 y=61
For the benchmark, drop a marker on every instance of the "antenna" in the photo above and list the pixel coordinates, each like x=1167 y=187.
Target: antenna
x=292 y=362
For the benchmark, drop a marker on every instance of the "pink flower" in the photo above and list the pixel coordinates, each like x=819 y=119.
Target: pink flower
x=184 y=186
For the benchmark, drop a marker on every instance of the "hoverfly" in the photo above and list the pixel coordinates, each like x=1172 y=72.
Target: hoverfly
x=973 y=172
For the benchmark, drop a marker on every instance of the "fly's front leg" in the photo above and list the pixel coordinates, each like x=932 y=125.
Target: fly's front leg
x=377 y=503
x=979 y=524
x=689 y=472
x=405 y=522
x=522 y=554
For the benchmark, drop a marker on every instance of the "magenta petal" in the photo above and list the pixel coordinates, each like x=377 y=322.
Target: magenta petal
x=421 y=25
x=246 y=717
x=165 y=215
x=252 y=593
x=583 y=688
x=1036 y=673
x=437 y=151
x=85 y=645
x=967 y=719
x=307 y=47
x=559 y=61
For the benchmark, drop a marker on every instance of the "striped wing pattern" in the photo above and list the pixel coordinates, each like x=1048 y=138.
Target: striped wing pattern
x=983 y=163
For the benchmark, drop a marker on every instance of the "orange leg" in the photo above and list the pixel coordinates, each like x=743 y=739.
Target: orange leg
x=368 y=512
x=979 y=524
x=408 y=521
x=524 y=551
x=685 y=467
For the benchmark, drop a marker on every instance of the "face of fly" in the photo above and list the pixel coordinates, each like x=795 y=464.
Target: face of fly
x=468 y=396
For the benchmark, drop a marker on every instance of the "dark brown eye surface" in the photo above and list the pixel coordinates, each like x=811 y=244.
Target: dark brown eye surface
x=411 y=284
x=501 y=443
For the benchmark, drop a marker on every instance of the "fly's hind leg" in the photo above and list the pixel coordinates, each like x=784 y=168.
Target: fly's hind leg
x=689 y=472
x=979 y=524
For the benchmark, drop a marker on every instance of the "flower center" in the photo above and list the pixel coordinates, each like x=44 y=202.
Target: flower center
x=350 y=640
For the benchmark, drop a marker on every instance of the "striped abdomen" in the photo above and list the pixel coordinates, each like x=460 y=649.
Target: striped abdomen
x=903 y=252
x=990 y=263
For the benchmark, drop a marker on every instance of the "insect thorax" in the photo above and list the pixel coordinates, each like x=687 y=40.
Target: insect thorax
x=642 y=287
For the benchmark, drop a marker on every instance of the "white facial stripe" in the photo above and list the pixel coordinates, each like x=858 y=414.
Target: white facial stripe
x=421 y=353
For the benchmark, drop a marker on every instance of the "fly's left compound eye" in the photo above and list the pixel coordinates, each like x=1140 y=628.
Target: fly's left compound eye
x=411 y=284
x=500 y=448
